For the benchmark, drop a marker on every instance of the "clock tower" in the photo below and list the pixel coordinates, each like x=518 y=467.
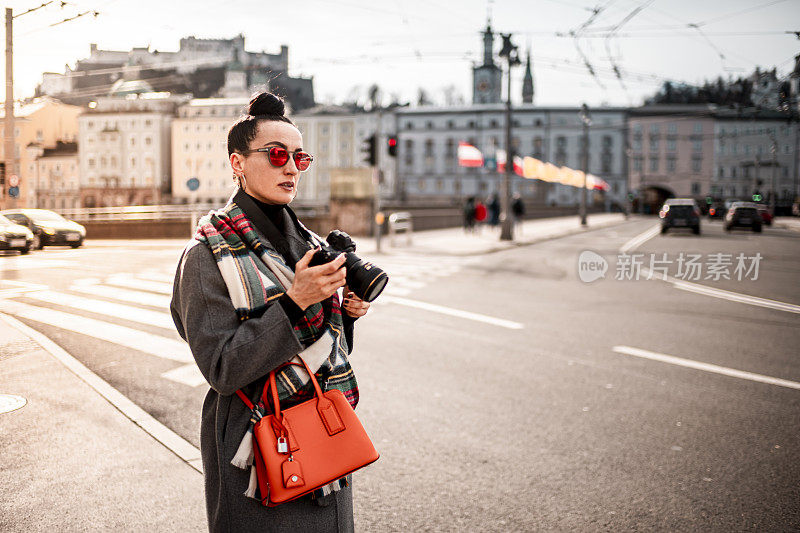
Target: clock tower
x=486 y=78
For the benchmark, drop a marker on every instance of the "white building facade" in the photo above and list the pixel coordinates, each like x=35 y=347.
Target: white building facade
x=336 y=137
x=124 y=150
x=200 y=149
x=428 y=142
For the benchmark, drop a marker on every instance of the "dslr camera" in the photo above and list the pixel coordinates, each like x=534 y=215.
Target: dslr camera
x=364 y=278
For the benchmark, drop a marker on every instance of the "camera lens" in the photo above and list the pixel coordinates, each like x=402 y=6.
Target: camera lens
x=364 y=278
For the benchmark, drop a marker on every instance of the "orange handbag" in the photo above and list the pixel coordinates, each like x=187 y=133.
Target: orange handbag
x=307 y=446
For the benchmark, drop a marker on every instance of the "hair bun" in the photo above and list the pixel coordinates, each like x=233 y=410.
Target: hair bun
x=266 y=104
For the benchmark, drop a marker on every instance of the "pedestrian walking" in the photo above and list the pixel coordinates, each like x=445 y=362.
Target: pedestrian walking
x=469 y=214
x=480 y=215
x=494 y=210
x=518 y=210
x=247 y=301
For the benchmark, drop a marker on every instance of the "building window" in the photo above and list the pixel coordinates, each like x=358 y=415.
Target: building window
x=133 y=141
x=698 y=127
x=451 y=124
x=537 y=148
x=653 y=164
x=671 y=145
x=697 y=165
x=429 y=148
x=408 y=152
x=653 y=142
x=672 y=128
x=148 y=141
x=697 y=146
x=91 y=162
x=148 y=123
x=409 y=125
x=670 y=164
x=605 y=163
x=637 y=144
x=695 y=188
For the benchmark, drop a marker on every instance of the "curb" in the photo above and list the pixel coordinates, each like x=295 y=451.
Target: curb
x=513 y=244
x=168 y=438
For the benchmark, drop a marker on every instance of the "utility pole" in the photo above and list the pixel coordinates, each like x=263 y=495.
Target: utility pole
x=377 y=178
x=8 y=140
x=587 y=121
x=511 y=53
x=774 y=195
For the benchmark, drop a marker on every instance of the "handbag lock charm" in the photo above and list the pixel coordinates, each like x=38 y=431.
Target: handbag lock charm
x=283 y=447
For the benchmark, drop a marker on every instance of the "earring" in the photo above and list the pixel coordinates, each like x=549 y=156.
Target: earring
x=240 y=181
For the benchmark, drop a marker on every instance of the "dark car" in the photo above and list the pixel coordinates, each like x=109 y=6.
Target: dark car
x=48 y=227
x=743 y=215
x=15 y=237
x=680 y=213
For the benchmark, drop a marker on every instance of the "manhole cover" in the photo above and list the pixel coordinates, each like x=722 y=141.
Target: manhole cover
x=9 y=402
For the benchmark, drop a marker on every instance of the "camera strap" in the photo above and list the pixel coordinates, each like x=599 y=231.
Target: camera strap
x=267 y=227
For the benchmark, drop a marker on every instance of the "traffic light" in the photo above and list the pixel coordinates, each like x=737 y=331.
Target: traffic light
x=709 y=200
x=370 y=150
x=757 y=197
x=392 y=145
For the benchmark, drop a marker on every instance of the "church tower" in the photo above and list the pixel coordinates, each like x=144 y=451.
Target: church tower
x=527 y=82
x=486 y=78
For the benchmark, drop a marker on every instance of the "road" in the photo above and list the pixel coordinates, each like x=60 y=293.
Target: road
x=504 y=393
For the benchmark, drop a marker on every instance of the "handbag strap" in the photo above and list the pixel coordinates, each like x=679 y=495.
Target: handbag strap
x=273 y=386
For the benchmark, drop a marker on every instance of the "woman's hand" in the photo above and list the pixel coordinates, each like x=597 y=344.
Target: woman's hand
x=314 y=284
x=353 y=305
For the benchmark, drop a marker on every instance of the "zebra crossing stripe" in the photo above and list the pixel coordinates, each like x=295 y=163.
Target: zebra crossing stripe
x=126 y=280
x=126 y=312
x=148 y=343
x=143 y=298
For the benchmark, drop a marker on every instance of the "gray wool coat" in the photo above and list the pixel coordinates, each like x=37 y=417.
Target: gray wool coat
x=233 y=355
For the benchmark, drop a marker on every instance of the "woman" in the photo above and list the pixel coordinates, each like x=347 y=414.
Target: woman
x=246 y=301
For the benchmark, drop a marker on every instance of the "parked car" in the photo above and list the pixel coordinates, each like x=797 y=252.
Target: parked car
x=15 y=237
x=680 y=213
x=766 y=217
x=743 y=215
x=48 y=227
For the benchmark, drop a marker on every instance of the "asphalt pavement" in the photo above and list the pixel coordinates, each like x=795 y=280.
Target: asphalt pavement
x=79 y=456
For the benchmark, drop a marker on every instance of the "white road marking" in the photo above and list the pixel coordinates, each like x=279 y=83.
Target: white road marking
x=22 y=264
x=127 y=280
x=19 y=288
x=707 y=367
x=187 y=374
x=452 y=312
x=171 y=440
x=725 y=295
x=703 y=289
x=126 y=312
x=123 y=336
x=640 y=239
x=153 y=275
x=144 y=298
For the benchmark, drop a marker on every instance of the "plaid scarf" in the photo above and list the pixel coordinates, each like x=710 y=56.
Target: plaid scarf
x=255 y=276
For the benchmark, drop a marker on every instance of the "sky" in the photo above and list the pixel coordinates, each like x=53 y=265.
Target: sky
x=405 y=45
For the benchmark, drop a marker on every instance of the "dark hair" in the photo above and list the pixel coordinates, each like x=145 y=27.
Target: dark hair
x=264 y=106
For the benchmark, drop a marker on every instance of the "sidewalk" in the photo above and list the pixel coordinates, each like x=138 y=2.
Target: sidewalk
x=790 y=223
x=72 y=462
x=455 y=241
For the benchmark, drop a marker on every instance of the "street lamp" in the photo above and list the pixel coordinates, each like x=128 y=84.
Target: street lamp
x=587 y=121
x=511 y=53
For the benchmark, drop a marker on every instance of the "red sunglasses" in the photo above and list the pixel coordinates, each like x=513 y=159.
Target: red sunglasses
x=279 y=156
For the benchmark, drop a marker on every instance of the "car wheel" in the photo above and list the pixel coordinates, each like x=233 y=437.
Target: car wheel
x=25 y=250
x=76 y=244
x=756 y=229
x=728 y=227
x=664 y=229
x=37 y=243
x=696 y=230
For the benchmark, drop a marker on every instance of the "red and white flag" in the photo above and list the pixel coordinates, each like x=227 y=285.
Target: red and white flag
x=501 y=163
x=469 y=156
